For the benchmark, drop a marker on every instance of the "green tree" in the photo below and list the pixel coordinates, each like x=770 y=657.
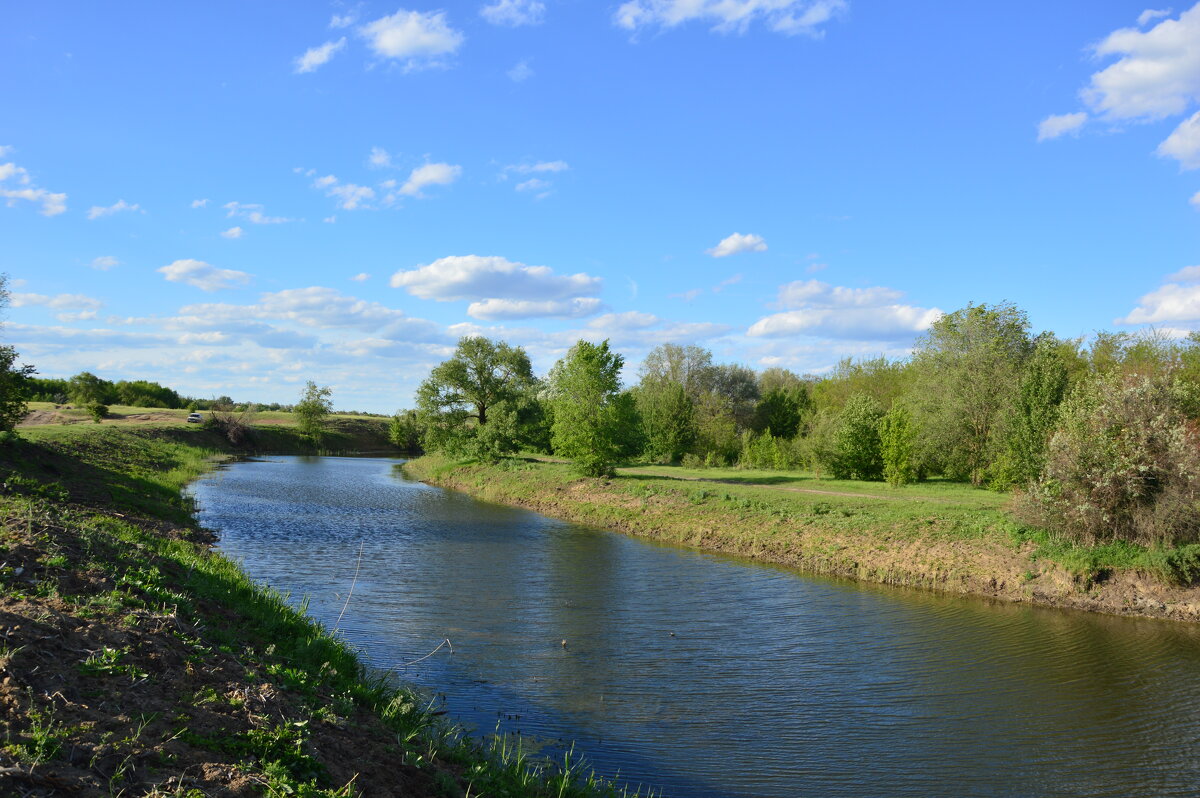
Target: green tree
x=86 y=388
x=667 y=415
x=783 y=410
x=967 y=371
x=404 y=431
x=585 y=387
x=13 y=377
x=897 y=439
x=313 y=409
x=480 y=402
x=1032 y=415
x=859 y=454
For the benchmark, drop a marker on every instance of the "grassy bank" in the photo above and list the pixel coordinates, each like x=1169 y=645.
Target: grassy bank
x=941 y=536
x=136 y=661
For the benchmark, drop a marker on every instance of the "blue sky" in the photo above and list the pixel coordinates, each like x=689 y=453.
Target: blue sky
x=234 y=198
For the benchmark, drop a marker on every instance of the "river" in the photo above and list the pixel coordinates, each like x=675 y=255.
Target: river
x=705 y=675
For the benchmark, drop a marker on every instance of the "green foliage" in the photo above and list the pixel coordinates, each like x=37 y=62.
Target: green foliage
x=967 y=372
x=404 y=431
x=143 y=393
x=97 y=411
x=12 y=389
x=479 y=402
x=1032 y=416
x=1123 y=465
x=668 y=419
x=856 y=442
x=314 y=407
x=584 y=387
x=897 y=441
x=86 y=388
x=783 y=411
x=885 y=380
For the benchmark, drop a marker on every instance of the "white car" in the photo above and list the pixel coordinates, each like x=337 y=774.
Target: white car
x=194 y=418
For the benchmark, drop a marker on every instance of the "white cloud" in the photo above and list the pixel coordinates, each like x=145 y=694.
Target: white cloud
x=533 y=184
x=475 y=278
x=1149 y=15
x=513 y=13
x=330 y=220
x=361 y=277
x=316 y=57
x=105 y=262
x=201 y=275
x=351 y=196
x=56 y=302
x=738 y=243
x=1195 y=200
x=418 y=40
x=431 y=174
x=379 y=158
x=1184 y=143
x=120 y=206
x=343 y=20
x=821 y=309
x=520 y=72
x=253 y=212
x=814 y=293
x=199 y=203
x=1057 y=125
x=1157 y=73
x=687 y=296
x=789 y=17
x=5 y=150
x=52 y=204
x=721 y=286
x=497 y=309
x=233 y=232
x=1177 y=300
x=629 y=320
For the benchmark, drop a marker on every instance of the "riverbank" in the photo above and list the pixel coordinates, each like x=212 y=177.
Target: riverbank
x=952 y=539
x=135 y=660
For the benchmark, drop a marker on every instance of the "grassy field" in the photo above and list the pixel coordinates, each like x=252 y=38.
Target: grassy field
x=136 y=661
x=937 y=535
x=46 y=413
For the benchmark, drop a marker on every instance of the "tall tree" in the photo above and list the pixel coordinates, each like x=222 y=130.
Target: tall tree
x=13 y=377
x=480 y=401
x=968 y=369
x=1032 y=415
x=585 y=387
x=684 y=365
x=668 y=422
x=314 y=407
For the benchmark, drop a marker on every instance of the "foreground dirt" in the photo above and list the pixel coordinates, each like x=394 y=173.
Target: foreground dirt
x=987 y=565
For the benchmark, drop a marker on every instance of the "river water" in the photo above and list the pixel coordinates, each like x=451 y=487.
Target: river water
x=709 y=676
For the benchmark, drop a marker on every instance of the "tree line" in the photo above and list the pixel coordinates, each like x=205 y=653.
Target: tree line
x=1099 y=441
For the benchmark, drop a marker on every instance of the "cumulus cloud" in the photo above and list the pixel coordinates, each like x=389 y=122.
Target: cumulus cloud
x=514 y=13
x=316 y=57
x=431 y=174
x=1057 y=125
x=120 y=206
x=789 y=17
x=498 y=309
x=736 y=243
x=1178 y=300
x=338 y=21
x=253 y=212
x=415 y=39
x=1157 y=72
x=201 y=275
x=533 y=184
x=349 y=196
x=199 y=203
x=1184 y=143
x=821 y=309
x=1195 y=200
x=16 y=184
x=105 y=262
x=361 y=277
x=477 y=278
x=233 y=232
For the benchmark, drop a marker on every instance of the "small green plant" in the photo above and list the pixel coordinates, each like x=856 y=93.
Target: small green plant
x=97 y=411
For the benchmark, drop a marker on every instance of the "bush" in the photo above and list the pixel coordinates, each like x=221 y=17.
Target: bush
x=859 y=453
x=1123 y=464
x=897 y=438
x=97 y=411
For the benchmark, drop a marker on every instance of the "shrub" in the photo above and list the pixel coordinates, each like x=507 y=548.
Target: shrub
x=897 y=439
x=1123 y=464
x=856 y=441
x=97 y=411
